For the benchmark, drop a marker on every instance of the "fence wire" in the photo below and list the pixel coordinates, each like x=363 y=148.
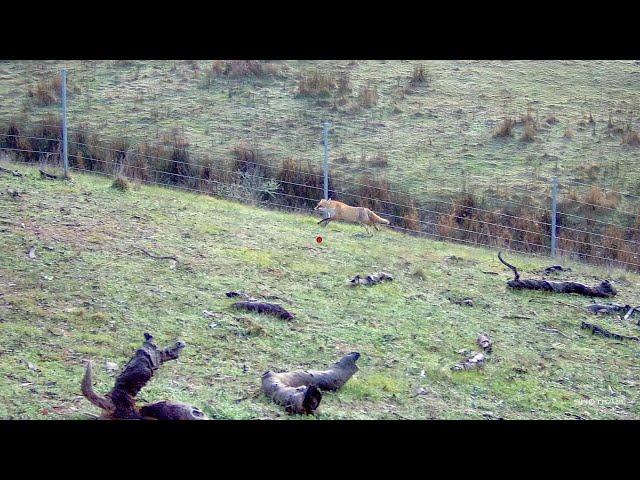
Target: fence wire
x=448 y=200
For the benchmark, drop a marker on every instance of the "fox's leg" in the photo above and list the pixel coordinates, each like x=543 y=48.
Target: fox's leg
x=376 y=226
x=325 y=220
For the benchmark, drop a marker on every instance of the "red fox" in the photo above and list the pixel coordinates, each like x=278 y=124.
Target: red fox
x=341 y=211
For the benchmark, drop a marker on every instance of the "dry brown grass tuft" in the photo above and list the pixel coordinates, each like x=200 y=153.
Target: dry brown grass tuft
x=530 y=128
x=303 y=185
x=344 y=85
x=551 y=120
x=316 y=84
x=380 y=160
x=368 y=96
x=597 y=197
x=631 y=138
x=589 y=171
x=568 y=133
x=419 y=76
x=505 y=129
x=47 y=91
x=121 y=183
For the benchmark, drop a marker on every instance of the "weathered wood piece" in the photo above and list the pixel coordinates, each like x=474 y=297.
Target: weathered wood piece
x=604 y=289
x=299 y=391
x=120 y=403
x=485 y=343
x=370 y=279
x=265 y=308
x=470 y=363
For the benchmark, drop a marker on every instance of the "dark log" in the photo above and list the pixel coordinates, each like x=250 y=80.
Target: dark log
x=555 y=268
x=595 y=329
x=604 y=289
x=120 y=403
x=265 y=308
x=244 y=295
x=299 y=391
x=171 y=411
x=44 y=174
x=485 y=343
x=607 y=309
x=370 y=279
x=467 y=301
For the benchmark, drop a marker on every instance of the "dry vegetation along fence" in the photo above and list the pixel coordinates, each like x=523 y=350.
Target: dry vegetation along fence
x=591 y=223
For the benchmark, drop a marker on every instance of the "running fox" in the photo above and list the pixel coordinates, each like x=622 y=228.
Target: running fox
x=341 y=211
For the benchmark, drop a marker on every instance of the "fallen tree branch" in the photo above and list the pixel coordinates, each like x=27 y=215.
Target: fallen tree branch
x=605 y=289
x=554 y=330
x=15 y=173
x=120 y=403
x=157 y=257
x=595 y=329
x=631 y=311
x=299 y=391
x=265 y=308
x=44 y=174
x=244 y=295
x=470 y=363
x=606 y=309
x=467 y=301
x=370 y=279
x=555 y=268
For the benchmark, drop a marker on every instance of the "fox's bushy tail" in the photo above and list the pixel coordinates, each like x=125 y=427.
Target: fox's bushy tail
x=377 y=219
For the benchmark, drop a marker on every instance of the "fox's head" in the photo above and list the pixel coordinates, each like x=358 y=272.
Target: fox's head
x=323 y=204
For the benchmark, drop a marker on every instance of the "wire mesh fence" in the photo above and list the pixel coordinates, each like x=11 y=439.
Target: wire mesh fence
x=238 y=139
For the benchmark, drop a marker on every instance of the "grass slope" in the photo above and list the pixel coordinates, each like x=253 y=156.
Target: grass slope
x=434 y=135
x=90 y=294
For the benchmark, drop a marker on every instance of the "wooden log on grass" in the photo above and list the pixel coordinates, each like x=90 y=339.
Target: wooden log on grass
x=608 y=309
x=485 y=343
x=265 y=308
x=470 y=363
x=604 y=289
x=120 y=403
x=299 y=391
x=370 y=279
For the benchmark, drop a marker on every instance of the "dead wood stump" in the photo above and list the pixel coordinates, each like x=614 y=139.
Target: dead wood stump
x=120 y=403
x=299 y=391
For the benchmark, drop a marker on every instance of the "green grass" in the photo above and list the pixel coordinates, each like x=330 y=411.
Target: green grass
x=90 y=294
x=433 y=135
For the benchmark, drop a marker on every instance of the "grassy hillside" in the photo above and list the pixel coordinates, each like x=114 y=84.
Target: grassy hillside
x=430 y=124
x=90 y=294
x=458 y=149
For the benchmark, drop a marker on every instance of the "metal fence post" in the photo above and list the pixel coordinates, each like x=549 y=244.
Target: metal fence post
x=325 y=165
x=65 y=158
x=554 y=207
